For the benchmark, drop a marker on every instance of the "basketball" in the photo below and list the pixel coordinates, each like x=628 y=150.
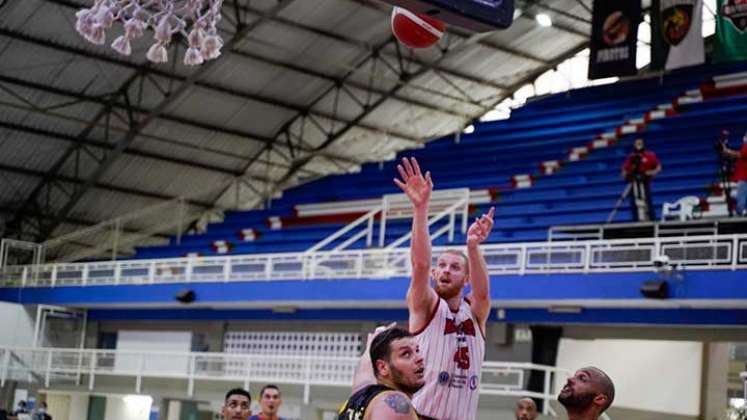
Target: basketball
x=416 y=30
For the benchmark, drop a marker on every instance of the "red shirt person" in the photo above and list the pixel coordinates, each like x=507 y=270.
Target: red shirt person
x=646 y=161
x=740 y=174
x=639 y=168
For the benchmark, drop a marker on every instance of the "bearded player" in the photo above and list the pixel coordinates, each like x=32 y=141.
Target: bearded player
x=448 y=326
x=389 y=373
x=587 y=394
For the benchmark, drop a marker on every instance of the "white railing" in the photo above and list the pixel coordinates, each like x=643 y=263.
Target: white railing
x=368 y=218
x=461 y=207
x=443 y=202
x=715 y=252
x=84 y=367
x=655 y=229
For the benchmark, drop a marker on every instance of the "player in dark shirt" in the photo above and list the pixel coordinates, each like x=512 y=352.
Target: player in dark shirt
x=398 y=369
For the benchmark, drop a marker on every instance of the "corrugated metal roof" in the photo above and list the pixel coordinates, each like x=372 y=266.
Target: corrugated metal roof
x=312 y=69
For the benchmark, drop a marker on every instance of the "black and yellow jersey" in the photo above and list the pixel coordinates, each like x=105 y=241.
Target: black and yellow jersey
x=355 y=407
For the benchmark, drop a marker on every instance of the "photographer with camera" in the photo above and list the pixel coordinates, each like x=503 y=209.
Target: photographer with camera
x=639 y=168
x=740 y=168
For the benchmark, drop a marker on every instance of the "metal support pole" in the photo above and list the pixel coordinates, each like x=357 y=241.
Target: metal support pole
x=382 y=224
x=37 y=325
x=191 y=364
x=734 y=252
x=452 y=222
x=3 y=253
x=92 y=367
x=139 y=378
x=465 y=214
x=48 y=371
x=546 y=391
x=180 y=223
x=588 y=258
x=369 y=230
x=115 y=238
x=307 y=383
x=6 y=367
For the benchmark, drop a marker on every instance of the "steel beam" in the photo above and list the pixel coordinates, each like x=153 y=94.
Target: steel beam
x=102 y=186
x=132 y=108
x=230 y=91
x=335 y=135
x=40 y=197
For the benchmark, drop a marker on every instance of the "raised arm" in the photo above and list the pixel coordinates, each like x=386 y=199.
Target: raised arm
x=420 y=297
x=479 y=278
x=364 y=374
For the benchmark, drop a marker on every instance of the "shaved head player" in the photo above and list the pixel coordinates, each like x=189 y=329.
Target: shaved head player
x=587 y=394
x=526 y=409
x=448 y=326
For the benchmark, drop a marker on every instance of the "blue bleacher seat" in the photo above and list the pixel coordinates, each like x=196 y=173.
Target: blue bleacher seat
x=544 y=129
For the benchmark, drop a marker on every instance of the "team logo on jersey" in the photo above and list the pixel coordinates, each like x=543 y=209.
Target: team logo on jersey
x=473 y=382
x=676 y=19
x=736 y=12
x=465 y=328
x=443 y=378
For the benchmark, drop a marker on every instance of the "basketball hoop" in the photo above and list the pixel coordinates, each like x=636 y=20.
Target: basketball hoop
x=165 y=17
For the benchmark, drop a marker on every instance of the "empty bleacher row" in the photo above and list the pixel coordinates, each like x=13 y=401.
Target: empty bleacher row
x=560 y=128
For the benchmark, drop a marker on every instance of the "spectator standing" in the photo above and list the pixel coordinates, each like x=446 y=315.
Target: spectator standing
x=740 y=173
x=639 y=169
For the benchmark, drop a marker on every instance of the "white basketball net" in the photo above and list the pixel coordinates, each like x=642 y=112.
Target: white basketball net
x=196 y=20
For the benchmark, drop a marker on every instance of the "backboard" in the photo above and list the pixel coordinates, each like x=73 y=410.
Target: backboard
x=475 y=15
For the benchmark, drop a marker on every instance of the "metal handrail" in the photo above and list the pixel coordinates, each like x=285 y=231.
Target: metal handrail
x=449 y=211
x=368 y=217
x=714 y=252
x=49 y=364
x=436 y=198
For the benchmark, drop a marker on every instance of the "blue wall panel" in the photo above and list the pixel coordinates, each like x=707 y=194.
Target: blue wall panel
x=730 y=317
x=712 y=285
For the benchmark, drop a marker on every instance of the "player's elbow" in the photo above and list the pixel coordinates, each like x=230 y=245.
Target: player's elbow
x=481 y=295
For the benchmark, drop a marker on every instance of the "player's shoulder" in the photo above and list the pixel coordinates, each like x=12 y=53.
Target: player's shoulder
x=391 y=405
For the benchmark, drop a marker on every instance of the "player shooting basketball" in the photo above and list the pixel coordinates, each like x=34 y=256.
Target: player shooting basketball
x=449 y=327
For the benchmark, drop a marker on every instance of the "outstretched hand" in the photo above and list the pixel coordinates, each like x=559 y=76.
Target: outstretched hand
x=417 y=187
x=480 y=229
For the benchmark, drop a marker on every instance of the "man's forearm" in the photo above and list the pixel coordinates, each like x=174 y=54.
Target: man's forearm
x=420 y=248
x=732 y=153
x=478 y=272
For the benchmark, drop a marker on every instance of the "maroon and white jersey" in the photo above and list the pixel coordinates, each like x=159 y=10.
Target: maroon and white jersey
x=454 y=348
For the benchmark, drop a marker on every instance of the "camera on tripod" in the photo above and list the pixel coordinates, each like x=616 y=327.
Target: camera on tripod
x=636 y=173
x=722 y=142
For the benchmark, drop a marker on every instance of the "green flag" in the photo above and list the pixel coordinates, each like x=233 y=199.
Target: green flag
x=731 y=31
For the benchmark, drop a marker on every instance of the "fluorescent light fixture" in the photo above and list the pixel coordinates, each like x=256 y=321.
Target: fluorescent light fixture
x=469 y=129
x=543 y=20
